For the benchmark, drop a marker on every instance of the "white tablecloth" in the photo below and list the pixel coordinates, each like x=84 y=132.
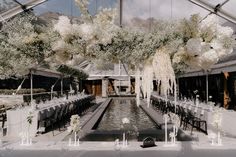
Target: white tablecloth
x=228 y=116
x=17 y=122
x=17 y=118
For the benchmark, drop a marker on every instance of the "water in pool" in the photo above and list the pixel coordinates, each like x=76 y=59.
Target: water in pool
x=125 y=108
x=110 y=126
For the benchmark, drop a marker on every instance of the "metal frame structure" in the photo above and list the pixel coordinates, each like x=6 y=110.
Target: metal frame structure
x=19 y=9
x=47 y=73
x=215 y=9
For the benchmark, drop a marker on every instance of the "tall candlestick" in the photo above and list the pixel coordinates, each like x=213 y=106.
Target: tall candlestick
x=123 y=139
x=174 y=134
x=27 y=138
x=69 y=141
x=75 y=139
x=219 y=139
x=165 y=129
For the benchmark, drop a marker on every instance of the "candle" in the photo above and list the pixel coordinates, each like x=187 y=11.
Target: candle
x=27 y=138
x=165 y=129
x=123 y=139
x=75 y=139
x=22 y=140
x=69 y=141
x=219 y=140
x=174 y=134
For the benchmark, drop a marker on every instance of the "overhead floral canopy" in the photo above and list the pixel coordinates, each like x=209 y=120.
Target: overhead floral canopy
x=158 y=53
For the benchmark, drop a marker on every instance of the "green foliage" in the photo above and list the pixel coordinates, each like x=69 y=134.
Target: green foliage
x=79 y=74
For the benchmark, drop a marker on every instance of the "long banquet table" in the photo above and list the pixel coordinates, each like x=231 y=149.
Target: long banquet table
x=17 y=118
x=228 y=116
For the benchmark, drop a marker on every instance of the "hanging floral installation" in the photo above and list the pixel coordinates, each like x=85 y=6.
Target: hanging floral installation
x=181 y=44
x=24 y=43
x=167 y=48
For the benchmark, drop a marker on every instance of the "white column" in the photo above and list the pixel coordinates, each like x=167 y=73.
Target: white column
x=207 y=87
x=104 y=87
x=31 y=88
x=61 y=86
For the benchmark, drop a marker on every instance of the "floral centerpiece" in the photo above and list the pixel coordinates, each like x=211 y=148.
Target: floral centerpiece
x=217 y=122
x=74 y=128
x=176 y=124
x=126 y=126
x=25 y=136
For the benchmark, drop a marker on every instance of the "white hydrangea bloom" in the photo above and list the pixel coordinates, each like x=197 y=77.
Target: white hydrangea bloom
x=87 y=31
x=63 y=26
x=208 y=59
x=224 y=31
x=194 y=46
x=210 y=22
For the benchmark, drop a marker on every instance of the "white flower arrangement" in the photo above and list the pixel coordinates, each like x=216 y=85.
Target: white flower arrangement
x=74 y=124
x=125 y=120
x=175 y=119
x=217 y=119
x=167 y=48
x=30 y=117
x=212 y=43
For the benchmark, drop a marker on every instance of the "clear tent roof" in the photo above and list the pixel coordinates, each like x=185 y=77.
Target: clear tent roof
x=168 y=9
x=139 y=9
x=6 y=5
